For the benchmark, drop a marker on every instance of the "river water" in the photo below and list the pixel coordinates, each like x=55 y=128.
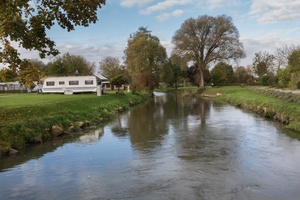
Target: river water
x=170 y=148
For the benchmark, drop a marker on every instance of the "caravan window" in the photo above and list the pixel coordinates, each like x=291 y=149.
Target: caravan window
x=50 y=83
x=89 y=82
x=73 y=82
x=61 y=82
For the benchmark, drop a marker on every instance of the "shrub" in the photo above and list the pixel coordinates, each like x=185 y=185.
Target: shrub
x=298 y=85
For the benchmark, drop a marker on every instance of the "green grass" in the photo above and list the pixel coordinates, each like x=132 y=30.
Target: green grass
x=28 y=118
x=18 y=100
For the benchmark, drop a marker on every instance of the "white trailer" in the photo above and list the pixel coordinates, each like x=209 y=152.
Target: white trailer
x=71 y=84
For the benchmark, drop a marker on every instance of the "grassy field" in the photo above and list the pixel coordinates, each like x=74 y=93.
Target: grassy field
x=19 y=100
x=28 y=118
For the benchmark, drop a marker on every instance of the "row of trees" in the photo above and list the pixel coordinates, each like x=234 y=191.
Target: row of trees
x=199 y=41
x=281 y=69
x=198 y=44
x=223 y=74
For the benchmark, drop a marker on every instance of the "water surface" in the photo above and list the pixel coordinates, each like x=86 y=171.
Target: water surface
x=169 y=148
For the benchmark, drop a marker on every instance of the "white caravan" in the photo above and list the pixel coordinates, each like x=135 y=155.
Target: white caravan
x=71 y=84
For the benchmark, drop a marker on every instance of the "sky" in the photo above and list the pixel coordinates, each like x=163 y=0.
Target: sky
x=264 y=25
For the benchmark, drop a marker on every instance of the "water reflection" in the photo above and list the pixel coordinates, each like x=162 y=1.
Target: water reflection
x=38 y=151
x=92 y=136
x=169 y=148
x=148 y=125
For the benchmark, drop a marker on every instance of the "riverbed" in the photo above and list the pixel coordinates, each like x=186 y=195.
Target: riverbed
x=172 y=147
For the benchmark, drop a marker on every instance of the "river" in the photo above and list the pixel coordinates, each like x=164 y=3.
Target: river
x=172 y=147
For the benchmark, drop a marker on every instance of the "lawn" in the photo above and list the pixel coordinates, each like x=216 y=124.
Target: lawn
x=30 y=99
x=28 y=118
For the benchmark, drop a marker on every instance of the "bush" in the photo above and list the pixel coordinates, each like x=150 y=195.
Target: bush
x=298 y=85
x=269 y=80
x=265 y=80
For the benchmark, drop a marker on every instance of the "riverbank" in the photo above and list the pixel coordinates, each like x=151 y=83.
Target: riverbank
x=279 y=105
x=35 y=118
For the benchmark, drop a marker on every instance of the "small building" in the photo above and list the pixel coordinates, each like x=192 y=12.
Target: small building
x=104 y=81
x=107 y=86
x=12 y=86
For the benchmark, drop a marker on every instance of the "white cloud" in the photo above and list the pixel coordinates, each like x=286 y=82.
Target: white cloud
x=133 y=3
x=215 y=4
x=265 y=42
x=161 y=6
x=166 y=16
x=275 y=10
x=177 y=13
x=94 y=54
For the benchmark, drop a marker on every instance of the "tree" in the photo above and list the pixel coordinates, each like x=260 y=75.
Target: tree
x=119 y=80
x=294 y=60
x=110 y=68
x=27 y=75
x=207 y=40
x=173 y=71
x=194 y=76
x=227 y=70
x=144 y=58
x=219 y=74
x=26 y=22
x=242 y=75
x=7 y=75
x=171 y=74
x=283 y=53
x=70 y=65
x=284 y=77
x=294 y=63
x=263 y=63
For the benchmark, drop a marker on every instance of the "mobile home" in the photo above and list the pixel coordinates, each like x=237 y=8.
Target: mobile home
x=71 y=84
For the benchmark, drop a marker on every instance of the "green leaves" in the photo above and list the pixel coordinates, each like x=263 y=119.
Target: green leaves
x=145 y=57
x=26 y=23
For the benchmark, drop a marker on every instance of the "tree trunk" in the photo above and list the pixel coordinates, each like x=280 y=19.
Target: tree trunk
x=201 y=81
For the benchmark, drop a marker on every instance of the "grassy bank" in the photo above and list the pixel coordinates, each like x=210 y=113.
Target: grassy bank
x=32 y=118
x=282 y=106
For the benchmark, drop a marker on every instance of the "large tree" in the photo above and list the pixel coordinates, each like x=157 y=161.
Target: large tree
x=206 y=40
x=68 y=64
x=144 y=58
x=26 y=22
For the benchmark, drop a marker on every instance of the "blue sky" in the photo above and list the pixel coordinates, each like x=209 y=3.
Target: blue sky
x=263 y=25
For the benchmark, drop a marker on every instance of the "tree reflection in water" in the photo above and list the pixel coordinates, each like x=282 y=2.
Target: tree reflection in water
x=149 y=125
